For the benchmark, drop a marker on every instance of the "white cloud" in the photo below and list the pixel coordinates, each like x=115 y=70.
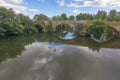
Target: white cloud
x=103 y=3
x=61 y=2
x=94 y=3
x=74 y=5
x=17 y=8
x=14 y=1
x=33 y=10
x=76 y=11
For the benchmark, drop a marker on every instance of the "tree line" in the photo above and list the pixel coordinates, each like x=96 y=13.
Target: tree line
x=113 y=15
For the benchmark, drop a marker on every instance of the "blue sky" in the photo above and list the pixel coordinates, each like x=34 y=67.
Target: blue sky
x=57 y=7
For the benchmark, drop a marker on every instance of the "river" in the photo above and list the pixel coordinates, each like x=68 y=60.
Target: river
x=45 y=57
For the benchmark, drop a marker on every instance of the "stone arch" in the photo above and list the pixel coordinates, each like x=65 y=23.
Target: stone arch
x=63 y=27
x=115 y=32
x=40 y=26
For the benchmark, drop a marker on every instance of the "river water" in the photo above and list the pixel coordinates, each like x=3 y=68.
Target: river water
x=45 y=57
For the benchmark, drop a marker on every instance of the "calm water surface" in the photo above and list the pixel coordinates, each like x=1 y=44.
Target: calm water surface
x=45 y=57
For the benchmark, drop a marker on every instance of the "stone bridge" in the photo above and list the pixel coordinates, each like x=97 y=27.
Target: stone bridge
x=114 y=25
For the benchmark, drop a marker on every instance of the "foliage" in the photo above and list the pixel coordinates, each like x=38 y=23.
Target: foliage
x=39 y=28
x=55 y=18
x=63 y=27
x=79 y=27
x=63 y=16
x=2 y=30
x=49 y=27
x=14 y=24
x=27 y=23
x=98 y=28
x=71 y=17
x=101 y=15
x=113 y=15
x=84 y=16
x=41 y=17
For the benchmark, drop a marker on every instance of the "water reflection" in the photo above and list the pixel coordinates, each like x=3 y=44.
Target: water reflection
x=13 y=46
x=68 y=36
x=40 y=61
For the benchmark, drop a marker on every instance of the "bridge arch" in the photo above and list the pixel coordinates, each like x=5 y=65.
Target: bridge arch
x=41 y=26
x=72 y=24
x=115 y=32
x=63 y=27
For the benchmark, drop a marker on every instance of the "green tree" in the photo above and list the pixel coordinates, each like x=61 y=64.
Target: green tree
x=101 y=15
x=79 y=27
x=63 y=16
x=112 y=15
x=71 y=17
x=2 y=30
x=14 y=24
x=41 y=17
x=55 y=18
x=84 y=16
x=6 y=14
x=118 y=16
x=49 y=27
x=98 y=28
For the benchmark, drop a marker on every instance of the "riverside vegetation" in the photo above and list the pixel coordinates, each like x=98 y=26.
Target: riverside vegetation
x=15 y=24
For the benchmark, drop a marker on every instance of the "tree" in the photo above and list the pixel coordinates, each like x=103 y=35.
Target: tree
x=98 y=28
x=112 y=15
x=6 y=14
x=71 y=17
x=118 y=16
x=84 y=16
x=79 y=27
x=2 y=30
x=27 y=23
x=55 y=18
x=79 y=16
x=63 y=16
x=49 y=27
x=14 y=24
x=41 y=17
x=101 y=15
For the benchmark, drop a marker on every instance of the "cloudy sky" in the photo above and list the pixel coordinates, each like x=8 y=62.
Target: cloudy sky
x=56 y=7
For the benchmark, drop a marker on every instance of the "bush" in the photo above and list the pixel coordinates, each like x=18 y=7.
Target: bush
x=63 y=27
x=2 y=31
x=98 y=28
x=79 y=27
x=49 y=27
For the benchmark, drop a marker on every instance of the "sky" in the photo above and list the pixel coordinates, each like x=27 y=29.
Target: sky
x=57 y=7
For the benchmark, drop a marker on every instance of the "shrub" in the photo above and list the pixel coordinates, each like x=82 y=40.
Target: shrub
x=98 y=28
x=79 y=27
x=63 y=27
x=49 y=27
